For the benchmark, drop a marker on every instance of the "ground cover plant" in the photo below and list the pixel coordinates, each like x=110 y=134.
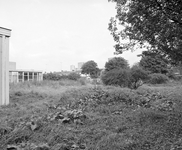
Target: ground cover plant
x=50 y=115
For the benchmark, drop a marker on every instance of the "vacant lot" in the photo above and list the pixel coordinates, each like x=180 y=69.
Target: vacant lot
x=66 y=115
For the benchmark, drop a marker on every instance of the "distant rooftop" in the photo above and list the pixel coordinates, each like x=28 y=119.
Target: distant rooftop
x=21 y=70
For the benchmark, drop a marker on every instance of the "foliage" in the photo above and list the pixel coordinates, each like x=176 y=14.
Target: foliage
x=83 y=81
x=116 y=63
x=90 y=67
x=154 y=62
x=102 y=118
x=138 y=76
x=73 y=76
x=138 y=73
x=54 y=76
x=57 y=77
x=149 y=24
x=116 y=77
x=157 y=78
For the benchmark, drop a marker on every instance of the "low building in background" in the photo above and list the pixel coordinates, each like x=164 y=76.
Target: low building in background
x=80 y=64
x=72 y=68
x=16 y=75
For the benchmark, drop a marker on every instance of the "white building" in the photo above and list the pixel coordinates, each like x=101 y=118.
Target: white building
x=80 y=64
x=4 y=66
x=17 y=75
x=72 y=68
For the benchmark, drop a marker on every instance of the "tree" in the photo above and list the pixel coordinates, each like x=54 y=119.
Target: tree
x=153 y=24
x=116 y=63
x=138 y=76
x=117 y=77
x=90 y=67
x=154 y=62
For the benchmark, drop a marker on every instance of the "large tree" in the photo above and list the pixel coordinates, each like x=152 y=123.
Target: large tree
x=90 y=67
x=154 y=24
x=154 y=62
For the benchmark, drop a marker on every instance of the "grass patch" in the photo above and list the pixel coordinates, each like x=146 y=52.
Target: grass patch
x=94 y=118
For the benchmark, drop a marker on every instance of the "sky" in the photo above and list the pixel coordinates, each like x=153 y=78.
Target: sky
x=52 y=35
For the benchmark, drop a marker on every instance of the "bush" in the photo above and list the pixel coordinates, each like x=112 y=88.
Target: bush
x=157 y=78
x=74 y=76
x=137 y=75
x=132 y=78
x=174 y=76
x=115 y=77
x=57 y=77
x=53 y=76
x=82 y=81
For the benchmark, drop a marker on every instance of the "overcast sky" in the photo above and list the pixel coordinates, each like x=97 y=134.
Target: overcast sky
x=51 y=35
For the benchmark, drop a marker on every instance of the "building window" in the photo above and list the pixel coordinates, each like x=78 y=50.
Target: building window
x=30 y=76
x=35 y=76
x=25 y=76
x=20 y=76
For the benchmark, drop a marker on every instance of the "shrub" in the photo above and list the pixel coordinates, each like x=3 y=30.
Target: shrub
x=171 y=75
x=82 y=81
x=174 y=76
x=74 y=76
x=157 y=78
x=138 y=75
x=57 y=77
x=53 y=76
x=115 y=77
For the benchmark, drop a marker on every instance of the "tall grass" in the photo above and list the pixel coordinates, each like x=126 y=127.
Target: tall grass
x=113 y=118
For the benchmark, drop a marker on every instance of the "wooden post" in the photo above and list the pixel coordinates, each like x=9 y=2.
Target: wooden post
x=4 y=65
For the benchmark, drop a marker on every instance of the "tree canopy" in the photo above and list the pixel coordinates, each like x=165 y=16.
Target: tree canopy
x=154 y=62
x=116 y=63
x=153 y=24
x=90 y=67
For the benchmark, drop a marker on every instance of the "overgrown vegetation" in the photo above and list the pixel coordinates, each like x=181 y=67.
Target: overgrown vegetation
x=118 y=73
x=157 y=78
x=56 y=76
x=53 y=116
x=117 y=77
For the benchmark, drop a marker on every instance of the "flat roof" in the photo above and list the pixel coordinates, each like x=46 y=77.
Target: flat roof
x=5 y=28
x=20 y=70
x=5 y=31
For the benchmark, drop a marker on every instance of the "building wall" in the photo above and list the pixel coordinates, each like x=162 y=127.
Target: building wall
x=72 y=68
x=80 y=64
x=12 y=65
x=23 y=76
